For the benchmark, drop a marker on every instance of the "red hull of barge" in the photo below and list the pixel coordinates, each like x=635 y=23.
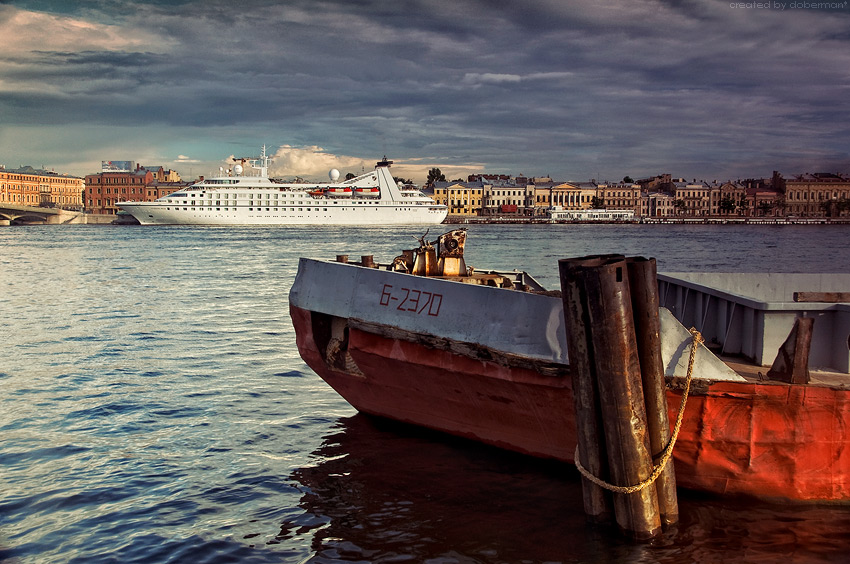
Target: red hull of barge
x=768 y=440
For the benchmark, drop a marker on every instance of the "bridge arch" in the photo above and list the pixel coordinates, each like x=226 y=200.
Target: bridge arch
x=15 y=214
x=29 y=217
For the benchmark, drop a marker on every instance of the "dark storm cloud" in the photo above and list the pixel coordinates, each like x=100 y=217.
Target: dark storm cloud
x=573 y=89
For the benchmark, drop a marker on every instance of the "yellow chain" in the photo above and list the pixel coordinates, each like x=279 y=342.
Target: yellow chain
x=668 y=451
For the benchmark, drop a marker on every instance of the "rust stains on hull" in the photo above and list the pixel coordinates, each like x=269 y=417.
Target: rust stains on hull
x=769 y=440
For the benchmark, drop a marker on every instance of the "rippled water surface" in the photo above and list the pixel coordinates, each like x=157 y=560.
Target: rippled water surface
x=153 y=408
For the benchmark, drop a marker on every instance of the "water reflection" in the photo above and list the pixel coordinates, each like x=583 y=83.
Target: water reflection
x=153 y=409
x=383 y=492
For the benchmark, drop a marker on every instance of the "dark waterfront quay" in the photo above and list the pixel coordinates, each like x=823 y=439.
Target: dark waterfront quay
x=154 y=408
x=507 y=220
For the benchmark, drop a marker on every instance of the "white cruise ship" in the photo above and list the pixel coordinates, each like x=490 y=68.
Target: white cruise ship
x=239 y=198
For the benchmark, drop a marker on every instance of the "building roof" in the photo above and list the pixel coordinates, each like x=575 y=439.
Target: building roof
x=34 y=171
x=695 y=185
x=442 y=184
x=820 y=177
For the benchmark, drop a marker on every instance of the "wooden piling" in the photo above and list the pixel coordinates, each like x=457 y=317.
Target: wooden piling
x=643 y=287
x=598 y=504
x=607 y=319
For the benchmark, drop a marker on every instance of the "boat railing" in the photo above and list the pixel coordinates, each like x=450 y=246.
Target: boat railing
x=755 y=326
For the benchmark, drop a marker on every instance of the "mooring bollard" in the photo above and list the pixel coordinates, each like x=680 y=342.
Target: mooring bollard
x=643 y=287
x=605 y=318
x=367 y=261
x=342 y=258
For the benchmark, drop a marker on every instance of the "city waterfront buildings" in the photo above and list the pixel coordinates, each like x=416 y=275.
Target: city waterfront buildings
x=621 y=196
x=809 y=195
x=732 y=199
x=820 y=195
x=116 y=184
x=40 y=188
x=817 y=195
x=462 y=198
x=657 y=204
x=563 y=195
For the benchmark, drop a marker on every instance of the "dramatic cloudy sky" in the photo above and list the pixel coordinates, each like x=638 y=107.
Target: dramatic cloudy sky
x=574 y=89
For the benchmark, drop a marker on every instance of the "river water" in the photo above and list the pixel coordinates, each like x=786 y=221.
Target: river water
x=153 y=408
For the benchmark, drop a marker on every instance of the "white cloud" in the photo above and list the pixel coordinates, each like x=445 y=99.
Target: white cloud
x=313 y=163
x=480 y=78
x=22 y=32
x=185 y=159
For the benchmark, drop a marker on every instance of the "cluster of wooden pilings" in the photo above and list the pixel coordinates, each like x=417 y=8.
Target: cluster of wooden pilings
x=613 y=340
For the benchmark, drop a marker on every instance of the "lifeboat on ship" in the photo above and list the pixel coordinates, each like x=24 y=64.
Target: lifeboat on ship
x=369 y=192
x=340 y=192
x=316 y=193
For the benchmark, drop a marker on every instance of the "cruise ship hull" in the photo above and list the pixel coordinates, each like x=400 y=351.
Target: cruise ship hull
x=330 y=213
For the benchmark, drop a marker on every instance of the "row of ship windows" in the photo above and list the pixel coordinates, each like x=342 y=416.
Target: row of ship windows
x=251 y=203
x=269 y=196
x=257 y=196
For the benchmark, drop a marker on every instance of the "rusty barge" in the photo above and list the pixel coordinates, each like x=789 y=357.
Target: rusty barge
x=429 y=341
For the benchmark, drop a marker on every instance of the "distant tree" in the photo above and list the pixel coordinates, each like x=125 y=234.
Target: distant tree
x=727 y=204
x=597 y=203
x=835 y=208
x=765 y=207
x=680 y=206
x=628 y=180
x=402 y=180
x=435 y=175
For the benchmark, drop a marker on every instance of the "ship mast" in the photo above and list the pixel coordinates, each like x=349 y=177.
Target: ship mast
x=264 y=163
x=260 y=163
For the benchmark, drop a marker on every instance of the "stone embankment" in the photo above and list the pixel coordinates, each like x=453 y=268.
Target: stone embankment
x=664 y=220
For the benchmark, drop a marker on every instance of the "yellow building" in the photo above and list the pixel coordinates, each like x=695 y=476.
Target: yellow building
x=462 y=198
x=817 y=195
x=692 y=198
x=30 y=187
x=567 y=195
x=620 y=196
x=730 y=200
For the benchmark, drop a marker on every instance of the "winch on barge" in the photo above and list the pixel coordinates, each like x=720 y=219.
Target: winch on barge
x=428 y=341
